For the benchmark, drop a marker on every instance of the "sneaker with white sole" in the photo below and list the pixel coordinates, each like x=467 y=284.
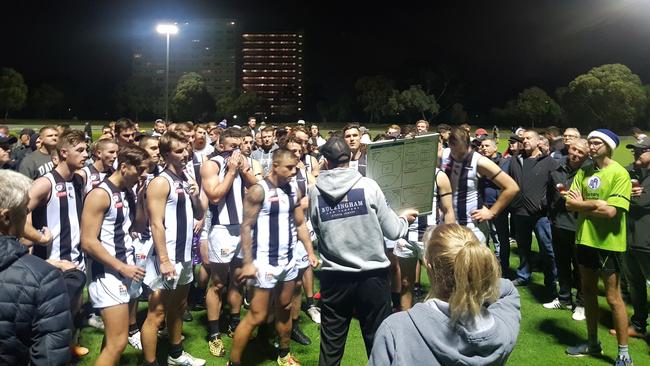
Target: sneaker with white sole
x=555 y=304
x=135 y=341
x=185 y=359
x=314 y=313
x=96 y=321
x=579 y=313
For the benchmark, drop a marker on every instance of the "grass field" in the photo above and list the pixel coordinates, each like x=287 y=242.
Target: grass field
x=543 y=337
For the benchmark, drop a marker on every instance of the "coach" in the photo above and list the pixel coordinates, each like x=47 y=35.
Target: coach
x=351 y=218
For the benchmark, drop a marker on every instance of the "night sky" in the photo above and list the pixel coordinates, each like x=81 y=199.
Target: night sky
x=495 y=48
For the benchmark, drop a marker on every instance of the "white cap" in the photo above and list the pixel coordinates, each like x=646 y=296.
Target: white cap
x=301 y=121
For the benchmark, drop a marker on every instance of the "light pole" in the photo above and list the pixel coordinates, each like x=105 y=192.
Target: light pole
x=167 y=29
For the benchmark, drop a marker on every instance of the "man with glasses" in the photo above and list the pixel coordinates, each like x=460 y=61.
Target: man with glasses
x=568 y=137
x=600 y=194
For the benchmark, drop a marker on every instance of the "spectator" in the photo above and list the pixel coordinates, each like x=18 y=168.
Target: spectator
x=544 y=145
x=444 y=130
x=515 y=145
x=422 y=127
x=4 y=131
x=38 y=163
x=21 y=149
x=35 y=313
x=556 y=142
x=498 y=229
x=159 y=127
x=531 y=170
x=636 y=260
x=264 y=153
x=474 y=315
x=600 y=194
x=6 y=162
x=314 y=133
x=563 y=230
x=394 y=131
x=638 y=134
x=570 y=134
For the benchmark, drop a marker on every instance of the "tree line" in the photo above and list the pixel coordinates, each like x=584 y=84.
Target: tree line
x=606 y=96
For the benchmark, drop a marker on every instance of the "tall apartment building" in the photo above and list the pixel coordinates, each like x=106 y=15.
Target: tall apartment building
x=209 y=47
x=272 y=67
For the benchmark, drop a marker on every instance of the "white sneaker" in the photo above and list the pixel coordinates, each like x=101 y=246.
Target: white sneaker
x=555 y=304
x=579 y=313
x=314 y=313
x=135 y=342
x=96 y=321
x=185 y=359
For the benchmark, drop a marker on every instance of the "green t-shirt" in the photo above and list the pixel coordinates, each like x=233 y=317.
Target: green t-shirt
x=611 y=184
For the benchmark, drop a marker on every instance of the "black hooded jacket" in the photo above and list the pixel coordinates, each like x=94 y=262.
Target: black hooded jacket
x=34 y=309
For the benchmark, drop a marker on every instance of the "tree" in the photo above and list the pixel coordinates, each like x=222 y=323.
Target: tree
x=13 y=91
x=191 y=99
x=414 y=102
x=135 y=96
x=374 y=92
x=608 y=96
x=46 y=99
x=242 y=104
x=335 y=111
x=533 y=105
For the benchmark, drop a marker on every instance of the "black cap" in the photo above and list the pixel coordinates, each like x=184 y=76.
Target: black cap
x=336 y=150
x=644 y=144
x=8 y=140
x=515 y=138
x=26 y=131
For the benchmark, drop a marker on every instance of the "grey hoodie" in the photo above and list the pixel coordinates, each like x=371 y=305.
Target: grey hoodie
x=351 y=218
x=425 y=335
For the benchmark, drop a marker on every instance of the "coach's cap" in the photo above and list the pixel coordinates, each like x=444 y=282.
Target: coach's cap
x=336 y=150
x=641 y=145
x=515 y=138
x=8 y=140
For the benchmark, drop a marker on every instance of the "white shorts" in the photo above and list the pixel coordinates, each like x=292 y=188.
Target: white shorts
x=154 y=279
x=223 y=243
x=408 y=249
x=110 y=290
x=206 y=226
x=268 y=276
x=300 y=255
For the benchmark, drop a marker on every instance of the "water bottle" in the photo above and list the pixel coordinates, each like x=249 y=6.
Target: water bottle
x=142 y=252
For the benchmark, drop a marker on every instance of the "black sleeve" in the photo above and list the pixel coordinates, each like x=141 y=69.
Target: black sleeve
x=51 y=333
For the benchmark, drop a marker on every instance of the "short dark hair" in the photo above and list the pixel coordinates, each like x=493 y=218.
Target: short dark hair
x=443 y=127
x=282 y=153
x=123 y=124
x=131 y=155
x=350 y=126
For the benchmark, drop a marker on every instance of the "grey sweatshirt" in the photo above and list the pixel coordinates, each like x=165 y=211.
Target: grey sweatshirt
x=425 y=335
x=350 y=216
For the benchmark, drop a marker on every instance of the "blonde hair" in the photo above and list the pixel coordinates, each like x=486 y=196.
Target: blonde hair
x=463 y=271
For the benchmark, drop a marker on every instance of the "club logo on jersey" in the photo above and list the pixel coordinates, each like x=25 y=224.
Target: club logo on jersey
x=60 y=190
x=94 y=177
x=186 y=187
x=305 y=258
x=269 y=276
x=353 y=204
x=179 y=187
x=594 y=183
x=118 y=200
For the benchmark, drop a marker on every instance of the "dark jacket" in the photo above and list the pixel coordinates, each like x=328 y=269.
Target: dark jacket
x=557 y=211
x=639 y=217
x=34 y=309
x=531 y=199
x=487 y=188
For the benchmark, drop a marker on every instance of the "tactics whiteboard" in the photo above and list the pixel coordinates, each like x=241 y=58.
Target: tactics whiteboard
x=405 y=171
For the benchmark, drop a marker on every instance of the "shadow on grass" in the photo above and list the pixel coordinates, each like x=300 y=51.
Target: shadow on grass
x=566 y=336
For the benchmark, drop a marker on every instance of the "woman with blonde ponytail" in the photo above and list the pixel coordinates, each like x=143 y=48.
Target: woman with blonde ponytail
x=471 y=316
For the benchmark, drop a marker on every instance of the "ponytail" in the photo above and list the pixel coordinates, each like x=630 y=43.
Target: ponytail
x=476 y=276
x=462 y=271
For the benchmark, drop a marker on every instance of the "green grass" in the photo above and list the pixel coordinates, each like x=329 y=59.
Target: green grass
x=543 y=337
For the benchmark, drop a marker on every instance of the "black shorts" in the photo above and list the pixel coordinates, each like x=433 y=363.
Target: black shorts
x=602 y=260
